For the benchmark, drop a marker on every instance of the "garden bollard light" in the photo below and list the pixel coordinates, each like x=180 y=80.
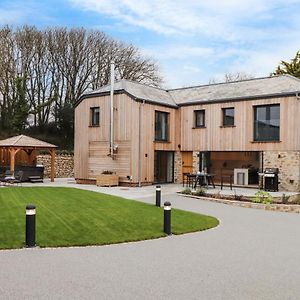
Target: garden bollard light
x=30 y=225
x=167 y=218
x=158 y=195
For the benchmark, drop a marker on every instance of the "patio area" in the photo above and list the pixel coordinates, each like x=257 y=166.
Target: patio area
x=149 y=191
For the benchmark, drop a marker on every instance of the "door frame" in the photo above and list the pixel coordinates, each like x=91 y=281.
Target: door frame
x=159 y=166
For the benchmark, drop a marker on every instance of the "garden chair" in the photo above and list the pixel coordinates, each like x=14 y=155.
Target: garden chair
x=17 y=179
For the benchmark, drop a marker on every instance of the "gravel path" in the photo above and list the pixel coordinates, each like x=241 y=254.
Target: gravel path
x=253 y=254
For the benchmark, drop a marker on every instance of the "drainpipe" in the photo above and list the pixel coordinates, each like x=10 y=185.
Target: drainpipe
x=140 y=142
x=112 y=81
x=298 y=96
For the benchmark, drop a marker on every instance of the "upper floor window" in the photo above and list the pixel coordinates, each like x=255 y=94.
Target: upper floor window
x=161 y=126
x=267 y=122
x=228 y=116
x=95 y=116
x=199 y=118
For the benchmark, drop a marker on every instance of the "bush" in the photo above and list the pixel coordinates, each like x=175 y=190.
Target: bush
x=238 y=197
x=217 y=195
x=263 y=197
x=285 y=199
x=187 y=191
x=200 y=192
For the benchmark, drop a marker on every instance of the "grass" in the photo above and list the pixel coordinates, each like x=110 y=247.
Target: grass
x=74 y=217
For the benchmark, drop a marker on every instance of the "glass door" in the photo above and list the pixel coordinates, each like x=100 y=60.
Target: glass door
x=163 y=166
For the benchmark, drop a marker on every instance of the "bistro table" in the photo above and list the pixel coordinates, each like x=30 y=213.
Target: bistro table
x=201 y=179
x=204 y=179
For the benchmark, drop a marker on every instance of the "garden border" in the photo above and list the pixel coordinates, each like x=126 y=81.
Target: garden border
x=291 y=208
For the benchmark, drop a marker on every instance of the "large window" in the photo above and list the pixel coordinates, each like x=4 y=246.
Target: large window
x=95 y=116
x=228 y=116
x=199 y=118
x=161 y=126
x=267 y=122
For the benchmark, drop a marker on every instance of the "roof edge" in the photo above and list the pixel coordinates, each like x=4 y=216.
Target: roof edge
x=277 y=95
x=120 y=91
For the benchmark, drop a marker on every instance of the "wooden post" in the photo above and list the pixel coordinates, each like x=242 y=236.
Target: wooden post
x=12 y=152
x=52 y=152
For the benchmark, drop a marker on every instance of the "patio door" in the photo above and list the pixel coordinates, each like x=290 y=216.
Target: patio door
x=187 y=162
x=204 y=162
x=163 y=166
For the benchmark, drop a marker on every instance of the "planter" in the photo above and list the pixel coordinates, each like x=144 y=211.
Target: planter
x=107 y=180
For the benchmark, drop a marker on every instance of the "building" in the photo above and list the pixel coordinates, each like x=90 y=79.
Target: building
x=158 y=134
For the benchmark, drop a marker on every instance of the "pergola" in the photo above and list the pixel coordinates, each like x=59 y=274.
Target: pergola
x=28 y=144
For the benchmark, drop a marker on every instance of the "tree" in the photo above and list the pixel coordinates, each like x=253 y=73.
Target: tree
x=231 y=77
x=291 y=68
x=21 y=107
x=54 y=67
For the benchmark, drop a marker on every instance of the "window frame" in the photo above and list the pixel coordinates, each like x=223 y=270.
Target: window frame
x=195 y=118
x=92 y=116
x=224 y=116
x=167 y=133
x=255 y=139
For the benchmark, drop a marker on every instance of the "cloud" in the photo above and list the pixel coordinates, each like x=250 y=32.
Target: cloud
x=226 y=20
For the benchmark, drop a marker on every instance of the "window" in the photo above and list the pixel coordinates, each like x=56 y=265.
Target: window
x=95 y=116
x=161 y=126
x=199 y=118
x=228 y=116
x=267 y=122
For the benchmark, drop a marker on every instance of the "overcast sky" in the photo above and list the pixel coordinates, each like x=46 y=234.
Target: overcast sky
x=193 y=41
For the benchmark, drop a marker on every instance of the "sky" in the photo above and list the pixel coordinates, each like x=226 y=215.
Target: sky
x=192 y=41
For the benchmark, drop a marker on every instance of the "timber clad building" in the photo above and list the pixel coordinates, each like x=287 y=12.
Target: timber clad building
x=233 y=128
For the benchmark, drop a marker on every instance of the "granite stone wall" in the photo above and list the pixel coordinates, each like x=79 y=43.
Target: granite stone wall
x=64 y=165
x=177 y=167
x=195 y=161
x=288 y=163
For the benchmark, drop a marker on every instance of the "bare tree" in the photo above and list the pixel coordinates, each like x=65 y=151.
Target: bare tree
x=57 y=65
x=231 y=77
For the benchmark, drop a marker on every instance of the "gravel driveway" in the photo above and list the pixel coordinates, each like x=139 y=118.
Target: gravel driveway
x=253 y=254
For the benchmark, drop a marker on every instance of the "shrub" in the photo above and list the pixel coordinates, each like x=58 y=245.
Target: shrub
x=285 y=199
x=238 y=197
x=217 y=195
x=263 y=197
x=200 y=192
x=187 y=191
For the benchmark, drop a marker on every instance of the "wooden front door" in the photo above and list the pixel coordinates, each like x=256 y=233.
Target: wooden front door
x=187 y=162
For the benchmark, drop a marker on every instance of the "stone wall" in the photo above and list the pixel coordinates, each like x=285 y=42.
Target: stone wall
x=195 y=162
x=64 y=165
x=177 y=167
x=288 y=163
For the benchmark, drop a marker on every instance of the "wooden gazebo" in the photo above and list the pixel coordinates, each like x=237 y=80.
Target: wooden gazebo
x=11 y=146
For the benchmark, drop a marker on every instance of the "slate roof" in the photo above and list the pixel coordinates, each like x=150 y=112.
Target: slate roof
x=138 y=91
x=246 y=89
x=274 y=86
x=26 y=142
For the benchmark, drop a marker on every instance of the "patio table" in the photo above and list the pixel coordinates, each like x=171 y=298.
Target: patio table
x=206 y=178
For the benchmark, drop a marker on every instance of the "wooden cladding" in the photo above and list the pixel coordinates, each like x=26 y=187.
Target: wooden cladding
x=134 y=132
x=239 y=137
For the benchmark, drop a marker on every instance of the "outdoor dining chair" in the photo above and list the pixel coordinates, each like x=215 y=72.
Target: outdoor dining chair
x=18 y=178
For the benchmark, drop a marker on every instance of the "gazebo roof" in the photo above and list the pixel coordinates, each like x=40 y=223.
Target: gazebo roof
x=23 y=141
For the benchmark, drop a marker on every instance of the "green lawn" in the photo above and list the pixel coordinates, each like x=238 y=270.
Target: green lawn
x=73 y=217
